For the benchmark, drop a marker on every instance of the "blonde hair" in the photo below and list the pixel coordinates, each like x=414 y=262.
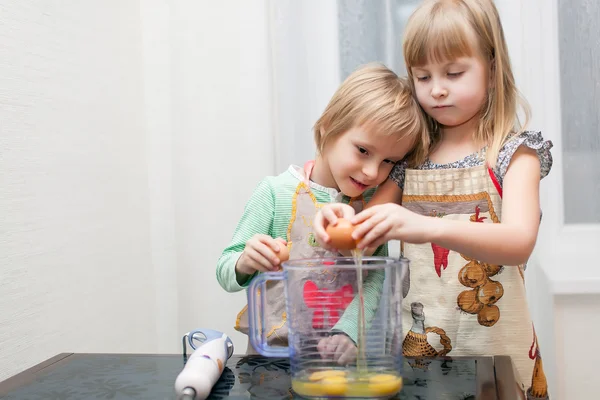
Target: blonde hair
x=374 y=95
x=442 y=30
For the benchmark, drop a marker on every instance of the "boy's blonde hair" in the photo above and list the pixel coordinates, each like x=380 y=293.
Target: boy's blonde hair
x=375 y=96
x=441 y=30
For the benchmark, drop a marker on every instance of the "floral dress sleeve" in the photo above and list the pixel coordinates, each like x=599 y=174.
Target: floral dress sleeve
x=398 y=173
x=531 y=139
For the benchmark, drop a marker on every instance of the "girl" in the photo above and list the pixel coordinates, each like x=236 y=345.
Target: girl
x=470 y=210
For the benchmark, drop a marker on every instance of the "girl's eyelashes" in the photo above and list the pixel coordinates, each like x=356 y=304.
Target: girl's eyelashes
x=425 y=78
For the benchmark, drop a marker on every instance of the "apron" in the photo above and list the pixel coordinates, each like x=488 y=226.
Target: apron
x=302 y=244
x=458 y=306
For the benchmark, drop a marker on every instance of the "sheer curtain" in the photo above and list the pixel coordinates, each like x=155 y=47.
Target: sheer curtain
x=372 y=31
x=579 y=53
x=315 y=45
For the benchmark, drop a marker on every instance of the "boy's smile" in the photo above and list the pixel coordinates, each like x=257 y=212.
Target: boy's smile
x=359 y=185
x=359 y=159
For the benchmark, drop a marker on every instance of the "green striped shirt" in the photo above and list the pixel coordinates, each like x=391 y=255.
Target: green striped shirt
x=268 y=211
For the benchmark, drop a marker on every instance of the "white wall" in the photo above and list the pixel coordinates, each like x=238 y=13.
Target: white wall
x=577 y=321
x=222 y=145
x=156 y=44
x=75 y=245
x=133 y=133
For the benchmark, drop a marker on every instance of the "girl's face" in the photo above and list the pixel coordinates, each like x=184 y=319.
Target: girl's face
x=453 y=92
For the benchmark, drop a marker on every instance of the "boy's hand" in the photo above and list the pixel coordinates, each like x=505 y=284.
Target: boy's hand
x=384 y=222
x=329 y=215
x=339 y=348
x=260 y=254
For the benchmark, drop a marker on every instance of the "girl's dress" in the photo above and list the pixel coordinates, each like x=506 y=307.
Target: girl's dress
x=455 y=305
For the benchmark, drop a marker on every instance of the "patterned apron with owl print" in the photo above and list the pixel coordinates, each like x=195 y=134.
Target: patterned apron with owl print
x=302 y=244
x=458 y=306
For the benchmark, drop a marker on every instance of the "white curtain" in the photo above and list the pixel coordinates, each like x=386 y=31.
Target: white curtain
x=315 y=45
x=372 y=31
x=579 y=53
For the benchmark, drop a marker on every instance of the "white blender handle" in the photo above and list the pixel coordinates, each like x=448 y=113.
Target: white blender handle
x=203 y=369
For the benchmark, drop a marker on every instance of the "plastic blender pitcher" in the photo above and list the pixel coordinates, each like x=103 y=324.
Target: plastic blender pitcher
x=330 y=353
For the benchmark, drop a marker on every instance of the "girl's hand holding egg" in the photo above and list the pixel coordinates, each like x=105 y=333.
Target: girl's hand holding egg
x=340 y=235
x=327 y=219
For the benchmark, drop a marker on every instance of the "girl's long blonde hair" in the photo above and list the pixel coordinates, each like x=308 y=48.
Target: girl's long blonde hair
x=442 y=30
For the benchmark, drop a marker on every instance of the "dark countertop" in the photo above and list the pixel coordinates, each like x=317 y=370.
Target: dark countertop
x=149 y=376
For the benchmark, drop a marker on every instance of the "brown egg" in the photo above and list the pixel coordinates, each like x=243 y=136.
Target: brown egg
x=341 y=235
x=284 y=252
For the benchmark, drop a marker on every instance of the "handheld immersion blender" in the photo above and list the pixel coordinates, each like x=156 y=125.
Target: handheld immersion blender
x=202 y=370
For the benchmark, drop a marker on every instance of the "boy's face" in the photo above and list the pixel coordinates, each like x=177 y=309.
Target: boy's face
x=360 y=159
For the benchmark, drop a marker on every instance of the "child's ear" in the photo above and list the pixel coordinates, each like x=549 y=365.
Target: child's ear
x=322 y=131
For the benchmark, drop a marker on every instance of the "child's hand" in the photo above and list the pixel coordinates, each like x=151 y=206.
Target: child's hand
x=260 y=254
x=382 y=223
x=328 y=215
x=339 y=348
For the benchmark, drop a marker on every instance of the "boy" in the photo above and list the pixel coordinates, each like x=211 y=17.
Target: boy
x=371 y=122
